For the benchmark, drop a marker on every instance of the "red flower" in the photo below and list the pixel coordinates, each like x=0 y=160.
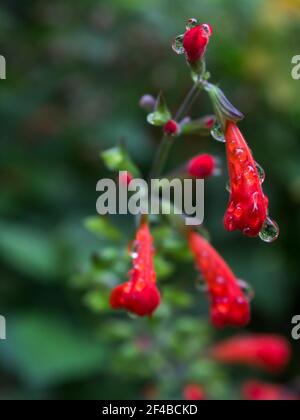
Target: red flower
x=259 y=391
x=171 y=128
x=139 y=295
x=268 y=352
x=248 y=206
x=195 y=42
x=229 y=306
x=202 y=166
x=193 y=392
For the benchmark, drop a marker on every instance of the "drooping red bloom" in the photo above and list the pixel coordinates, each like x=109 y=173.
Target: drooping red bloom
x=268 y=352
x=195 y=42
x=125 y=178
x=260 y=391
x=248 y=206
x=139 y=295
x=202 y=166
x=193 y=392
x=171 y=128
x=229 y=305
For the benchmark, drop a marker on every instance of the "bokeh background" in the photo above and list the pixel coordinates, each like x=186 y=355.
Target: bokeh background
x=75 y=73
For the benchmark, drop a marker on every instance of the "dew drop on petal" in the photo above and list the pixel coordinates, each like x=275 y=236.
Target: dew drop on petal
x=247 y=289
x=261 y=172
x=217 y=133
x=228 y=187
x=177 y=45
x=270 y=231
x=132 y=315
x=201 y=284
x=191 y=23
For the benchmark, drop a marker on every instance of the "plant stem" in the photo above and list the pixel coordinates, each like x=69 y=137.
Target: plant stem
x=167 y=141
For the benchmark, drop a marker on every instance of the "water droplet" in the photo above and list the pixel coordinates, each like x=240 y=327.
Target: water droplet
x=261 y=172
x=270 y=231
x=228 y=187
x=201 y=285
x=177 y=45
x=247 y=289
x=240 y=154
x=191 y=23
x=134 y=255
x=132 y=315
x=217 y=133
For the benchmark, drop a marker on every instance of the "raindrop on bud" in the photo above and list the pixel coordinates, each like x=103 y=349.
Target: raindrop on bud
x=247 y=289
x=177 y=44
x=191 y=23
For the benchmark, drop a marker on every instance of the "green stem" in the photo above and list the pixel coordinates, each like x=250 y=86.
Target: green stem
x=167 y=141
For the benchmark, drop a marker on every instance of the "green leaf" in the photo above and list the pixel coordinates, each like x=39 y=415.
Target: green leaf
x=44 y=350
x=161 y=114
x=117 y=159
x=101 y=226
x=28 y=250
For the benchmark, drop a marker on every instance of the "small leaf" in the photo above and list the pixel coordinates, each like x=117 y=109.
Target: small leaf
x=101 y=226
x=161 y=114
x=117 y=159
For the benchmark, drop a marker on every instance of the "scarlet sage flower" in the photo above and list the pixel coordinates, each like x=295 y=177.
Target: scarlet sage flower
x=202 y=166
x=139 y=295
x=248 y=206
x=259 y=391
x=268 y=352
x=195 y=41
x=229 y=305
x=193 y=392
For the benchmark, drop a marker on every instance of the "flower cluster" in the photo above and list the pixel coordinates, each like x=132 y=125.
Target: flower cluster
x=140 y=294
x=247 y=209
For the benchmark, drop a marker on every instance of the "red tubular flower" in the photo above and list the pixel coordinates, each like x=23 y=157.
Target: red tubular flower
x=171 y=128
x=248 y=206
x=139 y=295
x=259 y=391
x=268 y=352
x=229 y=306
x=202 y=166
x=195 y=42
x=193 y=392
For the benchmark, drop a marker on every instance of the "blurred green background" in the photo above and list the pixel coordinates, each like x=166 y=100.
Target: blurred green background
x=75 y=73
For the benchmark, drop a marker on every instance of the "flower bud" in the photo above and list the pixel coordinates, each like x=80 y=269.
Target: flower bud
x=195 y=41
x=147 y=102
x=171 y=128
x=202 y=166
